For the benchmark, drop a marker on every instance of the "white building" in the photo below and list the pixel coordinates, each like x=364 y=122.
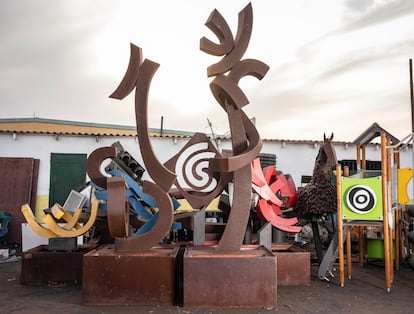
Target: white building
x=44 y=139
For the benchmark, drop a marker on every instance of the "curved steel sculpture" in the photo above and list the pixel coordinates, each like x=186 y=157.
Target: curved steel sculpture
x=199 y=165
x=199 y=170
x=246 y=142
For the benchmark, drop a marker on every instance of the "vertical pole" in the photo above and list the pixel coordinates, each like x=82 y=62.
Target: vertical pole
x=348 y=240
x=358 y=162
x=412 y=96
x=398 y=229
x=412 y=115
x=364 y=160
x=358 y=158
x=385 y=212
x=361 y=248
x=389 y=207
x=162 y=126
x=340 y=225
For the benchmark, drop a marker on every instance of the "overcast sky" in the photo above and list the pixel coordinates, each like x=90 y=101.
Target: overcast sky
x=335 y=65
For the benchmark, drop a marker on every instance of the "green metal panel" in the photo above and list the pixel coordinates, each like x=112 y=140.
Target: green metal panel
x=362 y=199
x=67 y=172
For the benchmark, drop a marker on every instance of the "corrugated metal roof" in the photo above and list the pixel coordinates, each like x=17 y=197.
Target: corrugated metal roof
x=61 y=127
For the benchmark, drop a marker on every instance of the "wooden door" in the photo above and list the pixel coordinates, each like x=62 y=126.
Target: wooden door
x=67 y=172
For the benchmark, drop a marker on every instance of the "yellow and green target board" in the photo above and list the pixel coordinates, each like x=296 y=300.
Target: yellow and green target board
x=362 y=199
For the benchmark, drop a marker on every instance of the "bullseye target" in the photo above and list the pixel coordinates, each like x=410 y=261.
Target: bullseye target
x=362 y=198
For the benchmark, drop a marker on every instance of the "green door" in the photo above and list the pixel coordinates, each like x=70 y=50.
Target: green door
x=67 y=172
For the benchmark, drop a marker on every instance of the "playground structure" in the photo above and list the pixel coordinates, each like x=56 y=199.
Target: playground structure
x=367 y=201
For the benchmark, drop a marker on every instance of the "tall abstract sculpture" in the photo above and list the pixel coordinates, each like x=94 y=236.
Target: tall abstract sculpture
x=198 y=159
x=198 y=170
x=246 y=141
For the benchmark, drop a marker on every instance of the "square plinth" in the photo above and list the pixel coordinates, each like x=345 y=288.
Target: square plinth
x=247 y=279
x=293 y=265
x=145 y=278
x=41 y=266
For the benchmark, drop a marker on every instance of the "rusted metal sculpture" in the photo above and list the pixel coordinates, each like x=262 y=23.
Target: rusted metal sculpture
x=216 y=169
x=275 y=191
x=318 y=197
x=72 y=228
x=246 y=142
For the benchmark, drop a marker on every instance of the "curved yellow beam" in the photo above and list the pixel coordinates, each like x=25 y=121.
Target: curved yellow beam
x=72 y=221
x=54 y=227
x=34 y=224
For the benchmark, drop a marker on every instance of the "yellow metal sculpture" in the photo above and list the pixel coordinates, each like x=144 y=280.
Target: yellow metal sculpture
x=71 y=229
x=34 y=223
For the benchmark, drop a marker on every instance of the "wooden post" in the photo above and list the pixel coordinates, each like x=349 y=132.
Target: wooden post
x=348 y=240
x=398 y=229
x=349 y=254
x=361 y=244
x=364 y=161
x=390 y=195
x=358 y=158
x=340 y=224
x=385 y=212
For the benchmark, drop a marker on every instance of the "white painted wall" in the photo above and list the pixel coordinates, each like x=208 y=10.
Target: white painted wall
x=296 y=158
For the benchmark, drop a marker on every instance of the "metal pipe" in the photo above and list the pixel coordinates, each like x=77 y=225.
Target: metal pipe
x=412 y=95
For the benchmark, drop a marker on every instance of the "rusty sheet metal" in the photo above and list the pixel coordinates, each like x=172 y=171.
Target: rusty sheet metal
x=18 y=186
x=240 y=43
x=197 y=182
x=139 y=76
x=218 y=25
x=244 y=280
x=94 y=163
x=293 y=268
x=118 y=210
x=158 y=231
x=111 y=278
x=40 y=266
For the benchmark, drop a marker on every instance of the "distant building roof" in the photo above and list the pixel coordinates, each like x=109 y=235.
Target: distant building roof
x=60 y=127
x=65 y=127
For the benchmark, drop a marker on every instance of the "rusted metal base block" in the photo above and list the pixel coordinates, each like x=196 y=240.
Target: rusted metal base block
x=293 y=267
x=146 y=278
x=41 y=266
x=247 y=279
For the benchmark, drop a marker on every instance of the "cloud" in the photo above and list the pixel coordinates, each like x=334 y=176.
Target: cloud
x=330 y=63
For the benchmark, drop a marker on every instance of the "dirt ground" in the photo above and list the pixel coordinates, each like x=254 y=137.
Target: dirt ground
x=364 y=293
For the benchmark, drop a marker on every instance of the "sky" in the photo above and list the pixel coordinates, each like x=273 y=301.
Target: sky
x=336 y=66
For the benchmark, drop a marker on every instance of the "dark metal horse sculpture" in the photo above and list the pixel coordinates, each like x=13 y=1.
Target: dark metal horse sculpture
x=318 y=197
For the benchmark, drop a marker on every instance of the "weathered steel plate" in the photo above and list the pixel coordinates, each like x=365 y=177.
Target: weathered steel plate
x=145 y=278
x=40 y=266
x=293 y=268
x=247 y=279
x=293 y=265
